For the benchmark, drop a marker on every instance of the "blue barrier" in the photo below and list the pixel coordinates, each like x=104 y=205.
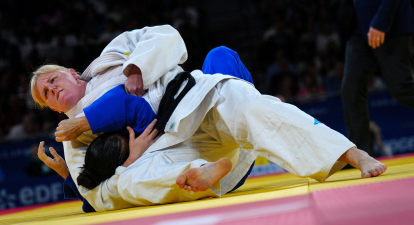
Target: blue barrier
x=395 y=119
x=26 y=180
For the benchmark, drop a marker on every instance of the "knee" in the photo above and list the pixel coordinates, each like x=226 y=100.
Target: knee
x=221 y=51
x=219 y=60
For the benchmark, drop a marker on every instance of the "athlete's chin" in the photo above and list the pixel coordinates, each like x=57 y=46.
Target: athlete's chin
x=68 y=100
x=67 y=103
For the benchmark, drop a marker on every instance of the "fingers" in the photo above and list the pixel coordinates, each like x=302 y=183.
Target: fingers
x=41 y=153
x=154 y=134
x=54 y=153
x=372 y=36
x=41 y=150
x=370 y=40
x=60 y=136
x=131 y=133
x=148 y=130
x=59 y=139
x=155 y=139
x=375 y=38
x=141 y=92
x=133 y=92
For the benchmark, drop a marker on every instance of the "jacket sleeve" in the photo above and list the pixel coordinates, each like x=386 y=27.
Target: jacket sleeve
x=385 y=15
x=70 y=191
x=115 y=110
x=155 y=50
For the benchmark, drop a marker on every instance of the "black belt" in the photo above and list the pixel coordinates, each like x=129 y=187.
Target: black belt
x=168 y=103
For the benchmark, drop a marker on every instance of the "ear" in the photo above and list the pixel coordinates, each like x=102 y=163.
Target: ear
x=74 y=74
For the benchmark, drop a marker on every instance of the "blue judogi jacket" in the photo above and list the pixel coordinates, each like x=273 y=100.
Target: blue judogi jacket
x=121 y=109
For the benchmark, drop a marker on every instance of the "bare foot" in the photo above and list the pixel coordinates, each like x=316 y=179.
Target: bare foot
x=202 y=178
x=368 y=166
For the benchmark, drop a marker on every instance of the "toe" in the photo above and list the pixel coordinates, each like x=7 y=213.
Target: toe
x=374 y=172
x=180 y=180
x=381 y=170
x=365 y=175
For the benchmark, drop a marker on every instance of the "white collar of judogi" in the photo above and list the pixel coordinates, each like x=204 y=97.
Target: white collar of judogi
x=99 y=65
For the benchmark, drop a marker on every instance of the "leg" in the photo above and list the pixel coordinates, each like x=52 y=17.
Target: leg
x=396 y=64
x=360 y=65
x=225 y=61
x=282 y=133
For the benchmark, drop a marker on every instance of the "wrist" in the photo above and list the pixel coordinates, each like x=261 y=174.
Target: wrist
x=64 y=173
x=135 y=70
x=84 y=124
x=131 y=158
x=128 y=162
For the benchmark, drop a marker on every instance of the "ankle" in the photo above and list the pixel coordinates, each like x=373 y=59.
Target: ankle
x=347 y=156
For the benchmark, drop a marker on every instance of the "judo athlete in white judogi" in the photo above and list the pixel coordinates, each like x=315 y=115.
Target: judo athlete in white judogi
x=219 y=117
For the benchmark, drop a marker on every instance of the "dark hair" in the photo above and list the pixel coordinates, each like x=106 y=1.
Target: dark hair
x=103 y=156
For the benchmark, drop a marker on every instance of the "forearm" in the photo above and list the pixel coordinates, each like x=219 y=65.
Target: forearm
x=64 y=173
x=157 y=50
x=384 y=17
x=70 y=129
x=83 y=124
x=132 y=70
x=131 y=159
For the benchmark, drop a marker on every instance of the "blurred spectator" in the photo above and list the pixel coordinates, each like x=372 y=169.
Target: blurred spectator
x=310 y=90
x=334 y=79
x=326 y=38
x=28 y=126
x=287 y=89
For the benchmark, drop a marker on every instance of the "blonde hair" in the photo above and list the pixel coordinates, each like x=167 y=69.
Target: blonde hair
x=35 y=75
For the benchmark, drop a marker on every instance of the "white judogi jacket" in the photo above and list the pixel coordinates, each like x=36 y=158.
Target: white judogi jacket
x=157 y=51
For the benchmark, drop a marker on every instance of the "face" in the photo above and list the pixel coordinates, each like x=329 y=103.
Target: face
x=61 y=90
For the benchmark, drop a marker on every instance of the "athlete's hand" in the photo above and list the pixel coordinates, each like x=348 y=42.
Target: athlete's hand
x=57 y=164
x=134 y=84
x=70 y=129
x=375 y=37
x=137 y=146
